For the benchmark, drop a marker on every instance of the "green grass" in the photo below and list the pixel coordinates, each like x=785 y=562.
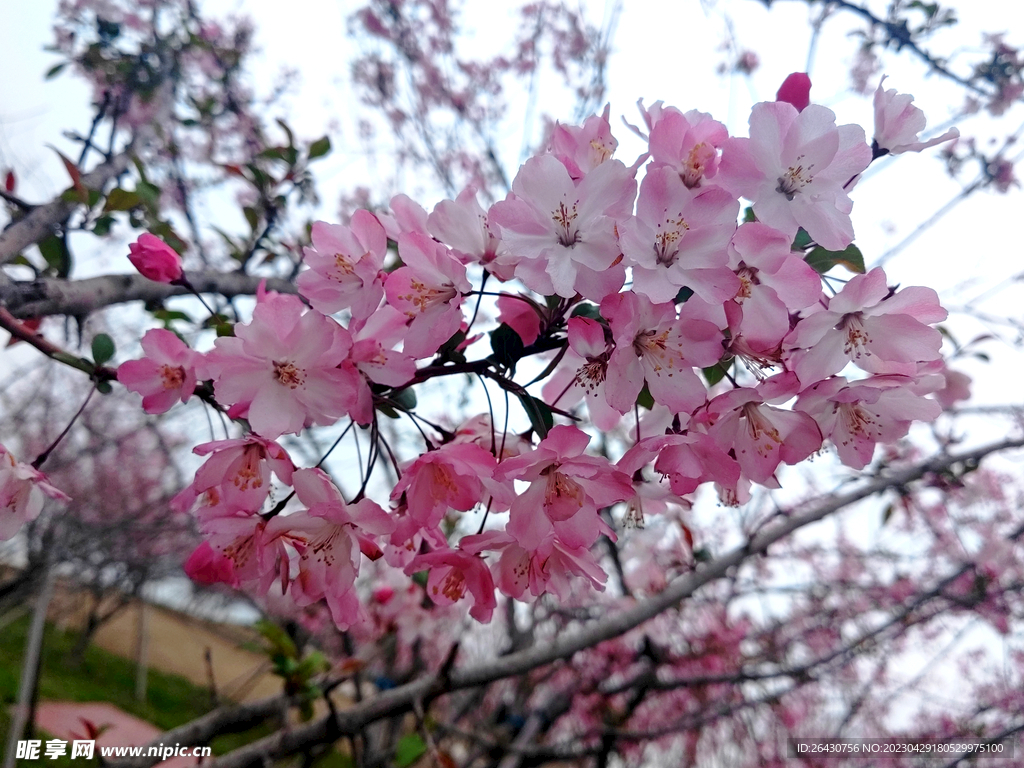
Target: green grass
x=171 y=700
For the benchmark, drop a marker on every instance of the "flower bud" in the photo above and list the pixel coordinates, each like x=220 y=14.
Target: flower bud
x=155 y=259
x=796 y=90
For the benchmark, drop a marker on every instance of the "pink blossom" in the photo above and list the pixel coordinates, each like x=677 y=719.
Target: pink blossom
x=548 y=567
x=456 y=476
x=331 y=535
x=208 y=566
x=462 y=225
x=583 y=372
x=256 y=555
x=236 y=477
x=373 y=358
x=428 y=289
x=155 y=259
x=795 y=90
x=521 y=315
x=344 y=265
x=165 y=375
x=898 y=123
x=795 y=168
x=564 y=234
x=774 y=281
x=22 y=488
x=582 y=148
x=857 y=415
x=452 y=573
x=870 y=326
x=679 y=238
x=566 y=490
x=761 y=435
x=653 y=345
x=688 y=143
x=281 y=369
x=687 y=460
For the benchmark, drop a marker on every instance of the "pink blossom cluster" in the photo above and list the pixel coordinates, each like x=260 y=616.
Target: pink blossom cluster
x=638 y=292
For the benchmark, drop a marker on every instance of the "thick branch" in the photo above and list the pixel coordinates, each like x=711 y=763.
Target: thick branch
x=42 y=220
x=401 y=699
x=50 y=296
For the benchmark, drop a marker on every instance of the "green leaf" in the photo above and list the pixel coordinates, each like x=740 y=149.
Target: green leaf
x=586 y=309
x=225 y=329
x=507 y=346
x=406 y=398
x=56 y=255
x=122 y=200
x=714 y=373
x=319 y=148
x=103 y=225
x=822 y=260
x=55 y=70
x=540 y=415
x=683 y=295
x=645 y=399
x=802 y=240
x=148 y=193
x=410 y=748
x=251 y=216
x=167 y=315
x=102 y=348
x=748 y=215
x=287 y=131
x=104 y=388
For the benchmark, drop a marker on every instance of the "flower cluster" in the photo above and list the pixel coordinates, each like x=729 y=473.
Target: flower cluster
x=638 y=293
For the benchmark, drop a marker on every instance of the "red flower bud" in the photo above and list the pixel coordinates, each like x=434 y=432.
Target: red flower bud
x=796 y=90
x=155 y=259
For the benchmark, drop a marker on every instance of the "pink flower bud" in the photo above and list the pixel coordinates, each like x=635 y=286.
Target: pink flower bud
x=208 y=566
x=796 y=90
x=155 y=259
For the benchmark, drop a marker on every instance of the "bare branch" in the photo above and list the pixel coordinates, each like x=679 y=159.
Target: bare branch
x=50 y=296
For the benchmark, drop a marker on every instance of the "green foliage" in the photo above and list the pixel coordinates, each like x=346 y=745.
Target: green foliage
x=102 y=348
x=540 y=415
x=410 y=748
x=822 y=260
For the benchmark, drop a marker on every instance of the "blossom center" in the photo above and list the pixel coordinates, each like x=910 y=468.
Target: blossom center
x=857 y=337
x=762 y=432
x=796 y=177
x=288 y=375
x=666 y=241
x=748 y=279
x=696 y=163
x=565 y=222
x=453 y=586
x=172 y=378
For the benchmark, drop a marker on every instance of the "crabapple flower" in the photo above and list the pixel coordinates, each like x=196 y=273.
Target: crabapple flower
x=456 y=476
x=687 y=460
x=331 y=535
x=795 y=90
x=521 y=315
x=566 y=490
x=462 y=225
x=857 y=415
x=165 y=375
x=373 y=358
x=583 y=372
x=773 y=282
x=452 y=573
x=22 y=492
x=208 y=566
x=428 y=289
x=898 y=123
x=344 y=265
x=256 y=553
x=795 y=168
x=869 y=325
x=548 y=567
x=563 y=233
x=155 y=259
x=679 y=238
x=653 y=345
x=236 y=477
x=761 y=435
x=686 y=142
x=281 y=369
x=582 y=148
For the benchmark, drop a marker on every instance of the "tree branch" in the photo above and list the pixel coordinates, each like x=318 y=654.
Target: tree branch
x=51 y=296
